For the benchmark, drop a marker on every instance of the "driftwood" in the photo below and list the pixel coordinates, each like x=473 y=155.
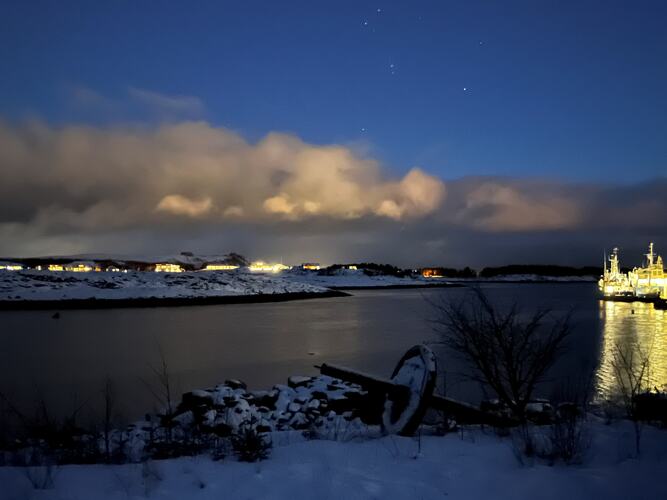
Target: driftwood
x=397 y=393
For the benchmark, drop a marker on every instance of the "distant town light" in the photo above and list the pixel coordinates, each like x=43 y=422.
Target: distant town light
x=311 y=266
x=220 y=267
x=56 y=267
x=263 y=267
x=168 y=268
x=10 y=267
x=431 y=272
x=79 y=268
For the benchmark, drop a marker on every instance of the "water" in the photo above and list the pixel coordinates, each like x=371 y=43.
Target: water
x=66 y=361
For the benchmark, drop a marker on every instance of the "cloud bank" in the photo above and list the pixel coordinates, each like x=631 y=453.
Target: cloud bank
x=81 y=188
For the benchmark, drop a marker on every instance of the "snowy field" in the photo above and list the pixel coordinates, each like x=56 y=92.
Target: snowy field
x=44 y=285
x=471 y=464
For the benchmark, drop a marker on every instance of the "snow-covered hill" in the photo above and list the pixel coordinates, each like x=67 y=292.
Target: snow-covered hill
x=44 y=285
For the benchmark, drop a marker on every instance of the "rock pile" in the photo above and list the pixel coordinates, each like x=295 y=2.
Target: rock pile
x=304 y=403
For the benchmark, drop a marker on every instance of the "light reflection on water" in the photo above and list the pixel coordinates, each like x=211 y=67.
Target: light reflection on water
x=628 y=325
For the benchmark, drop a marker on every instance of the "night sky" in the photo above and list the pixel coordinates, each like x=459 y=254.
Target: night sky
x=451 y=133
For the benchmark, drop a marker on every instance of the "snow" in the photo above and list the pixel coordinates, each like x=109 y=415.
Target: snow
x=45 y=285
x=467 y=465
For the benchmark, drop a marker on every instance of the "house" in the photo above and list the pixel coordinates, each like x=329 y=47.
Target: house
x=432 y=272
x=168 y=268
x=80 y=267
x=264 y=267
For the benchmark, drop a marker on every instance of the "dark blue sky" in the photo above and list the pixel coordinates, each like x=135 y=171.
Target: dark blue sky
x=573 y=90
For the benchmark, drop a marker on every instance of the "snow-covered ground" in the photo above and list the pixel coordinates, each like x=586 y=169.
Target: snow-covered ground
x=45 y=285
x=471 y=464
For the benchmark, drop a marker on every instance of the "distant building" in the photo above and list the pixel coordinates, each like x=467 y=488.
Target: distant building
x=56 y=267
x=264 y=267
x=432 y=272
x=10 y=266
x=311 y=266
x=168 y=268
x=220 y=267
x=79 y=267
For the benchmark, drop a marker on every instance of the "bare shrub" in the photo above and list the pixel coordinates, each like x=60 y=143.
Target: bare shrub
x=507 y=352
x=570 y=434
x=162 y=391
x=107 y=422
x=631 y=368
x=570 y=438
x=39 y=467
x=41 y=477
x=49 y=438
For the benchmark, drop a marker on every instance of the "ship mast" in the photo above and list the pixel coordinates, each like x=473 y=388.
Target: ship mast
x=650 y=254
x=614 y=262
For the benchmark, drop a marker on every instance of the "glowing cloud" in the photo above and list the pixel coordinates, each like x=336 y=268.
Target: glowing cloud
x=180 y=205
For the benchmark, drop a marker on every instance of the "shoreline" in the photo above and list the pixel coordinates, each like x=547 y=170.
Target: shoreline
x=397 y=286
x=150 y=302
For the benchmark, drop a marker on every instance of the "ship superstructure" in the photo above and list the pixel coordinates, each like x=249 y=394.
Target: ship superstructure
x=648 y=282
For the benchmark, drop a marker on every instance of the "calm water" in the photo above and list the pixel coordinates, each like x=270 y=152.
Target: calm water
x=66 y=361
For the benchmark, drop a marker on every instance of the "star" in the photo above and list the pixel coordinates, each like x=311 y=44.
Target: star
x=365 y=23
x=465 y=89
x=379 y=10
x=363 y=129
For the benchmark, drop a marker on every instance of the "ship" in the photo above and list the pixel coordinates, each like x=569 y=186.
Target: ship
x=647 y=283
